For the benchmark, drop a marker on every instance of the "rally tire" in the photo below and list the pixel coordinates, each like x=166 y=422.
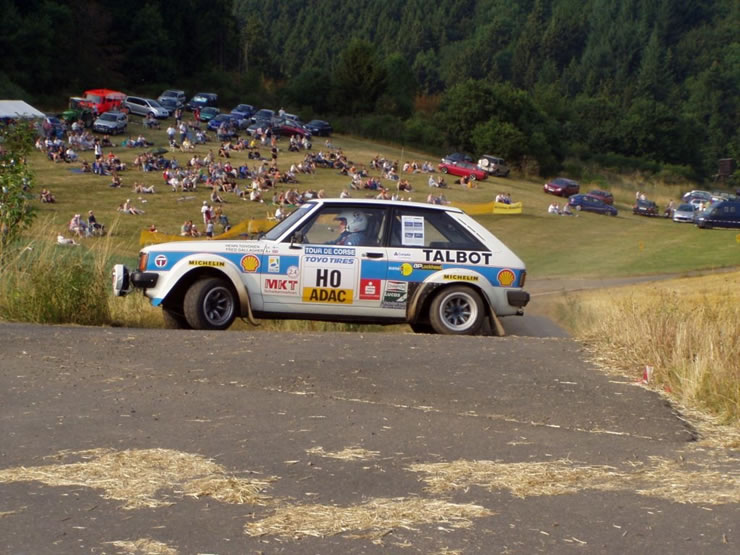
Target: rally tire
x=457 y=310
x=210 y=304
x=174 y=320
x=444 y=170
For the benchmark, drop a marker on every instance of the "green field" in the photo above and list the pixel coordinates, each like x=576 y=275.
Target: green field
x=587 y=245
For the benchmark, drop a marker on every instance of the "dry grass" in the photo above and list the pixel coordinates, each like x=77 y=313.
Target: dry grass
x=521 y=479
x=688 y=330
x=377 y=517
x=144 y=546
x=709 y=482
x=139 y=478
x=347 y=454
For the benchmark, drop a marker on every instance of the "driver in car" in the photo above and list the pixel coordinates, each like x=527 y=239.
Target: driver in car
x=352 y=227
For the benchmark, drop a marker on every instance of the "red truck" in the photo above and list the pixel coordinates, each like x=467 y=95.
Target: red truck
x=102 y=100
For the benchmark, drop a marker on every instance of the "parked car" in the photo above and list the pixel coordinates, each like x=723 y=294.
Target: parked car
x=493 y=165
x=685 y=213
x=265 y=125
x=346 y=260
x=591 y=204
x=288 y=127
x=263 y=115
x=723 y=213
x=604 y=196
x=458 y=157
x=52 y=126
x=201 y=100
x=216 y=121
x=645 y=208
x=703 y=196
x=562 y=187
x=111 y=123
x=171 y=95
x=170 y=104
x=244 y=111
x=208 y=113
x=462 y=169
x=144 y=106
x=320 y=128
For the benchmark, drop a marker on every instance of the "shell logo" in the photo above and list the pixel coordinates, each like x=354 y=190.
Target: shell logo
x=506 y=277
x=406 y=269
x=250 y=263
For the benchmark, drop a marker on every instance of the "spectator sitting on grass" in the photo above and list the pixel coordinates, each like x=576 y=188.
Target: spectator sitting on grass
x=46 y=196
x=141 y=189
x=128 y=208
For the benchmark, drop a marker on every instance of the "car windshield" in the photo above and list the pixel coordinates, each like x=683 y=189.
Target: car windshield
x=275 y=233
x=687 y=208
x=200 y=98
x=108 y=117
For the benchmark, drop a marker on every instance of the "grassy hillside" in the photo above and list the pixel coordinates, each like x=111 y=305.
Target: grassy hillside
x=588 y=245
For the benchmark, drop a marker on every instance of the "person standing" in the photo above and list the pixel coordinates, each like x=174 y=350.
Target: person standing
x=205 y=211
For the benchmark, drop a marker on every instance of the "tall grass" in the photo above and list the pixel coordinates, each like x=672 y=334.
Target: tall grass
x=43 y=282
x=687 y=330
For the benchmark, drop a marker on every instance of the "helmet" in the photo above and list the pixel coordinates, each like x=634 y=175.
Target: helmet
x=356 y=220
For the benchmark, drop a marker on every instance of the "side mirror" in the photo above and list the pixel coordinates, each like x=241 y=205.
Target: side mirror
x=298 y=238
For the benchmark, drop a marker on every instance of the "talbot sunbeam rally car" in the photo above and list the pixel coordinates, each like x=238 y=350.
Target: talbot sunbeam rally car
x=340 y=260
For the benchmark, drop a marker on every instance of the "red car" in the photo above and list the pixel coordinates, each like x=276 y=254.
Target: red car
x=462 y=169
x=604 y=196
x=562 y=187
x=288 y=127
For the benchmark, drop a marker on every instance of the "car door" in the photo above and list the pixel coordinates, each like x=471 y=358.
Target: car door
x=325 y=269
x=423 y=242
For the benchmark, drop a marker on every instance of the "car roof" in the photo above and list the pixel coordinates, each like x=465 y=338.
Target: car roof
x=378 y=202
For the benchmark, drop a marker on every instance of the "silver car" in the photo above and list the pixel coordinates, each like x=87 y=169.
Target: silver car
x=685 y=213
x=111 y=123
x=145 y=106
x=346 y=260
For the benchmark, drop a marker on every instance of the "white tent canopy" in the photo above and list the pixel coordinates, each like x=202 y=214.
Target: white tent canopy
x=18 y=109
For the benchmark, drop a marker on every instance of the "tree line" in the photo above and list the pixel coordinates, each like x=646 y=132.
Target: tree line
x=640 y=83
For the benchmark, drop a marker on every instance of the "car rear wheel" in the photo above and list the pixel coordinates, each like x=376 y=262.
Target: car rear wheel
x=579 y=207
x=210 y=304
x=457 y=310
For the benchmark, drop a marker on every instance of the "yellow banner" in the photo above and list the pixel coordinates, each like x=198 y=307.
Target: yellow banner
x=489 y=208
x=501 y=208
x=242 y=230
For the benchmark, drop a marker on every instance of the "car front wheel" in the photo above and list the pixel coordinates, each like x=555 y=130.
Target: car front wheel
x=210 y=304
x=457 y=310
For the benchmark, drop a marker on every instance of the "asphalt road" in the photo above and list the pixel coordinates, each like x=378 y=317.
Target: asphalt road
x=351 y=443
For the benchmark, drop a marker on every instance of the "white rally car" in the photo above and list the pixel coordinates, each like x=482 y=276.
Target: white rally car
x=341 y=260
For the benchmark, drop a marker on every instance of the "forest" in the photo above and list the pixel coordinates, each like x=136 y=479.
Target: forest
x=648 y=85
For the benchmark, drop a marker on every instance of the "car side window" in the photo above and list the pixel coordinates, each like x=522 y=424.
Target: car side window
x=358 y=226
x=431 y=229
